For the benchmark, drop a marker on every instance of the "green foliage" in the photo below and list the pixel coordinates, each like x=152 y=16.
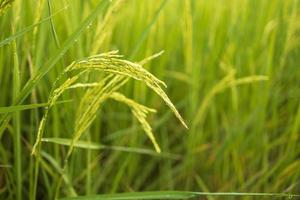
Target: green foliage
x=175 y=195
x=4 y=4
x=74 y=115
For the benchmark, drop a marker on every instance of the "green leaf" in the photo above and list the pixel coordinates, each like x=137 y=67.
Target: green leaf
x=171 y=195
x=96 y=146
x=10 y=109
x=27 y=29
x=144 y=35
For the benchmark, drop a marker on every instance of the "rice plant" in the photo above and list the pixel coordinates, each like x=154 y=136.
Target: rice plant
x=86 y=90
x=118 y=72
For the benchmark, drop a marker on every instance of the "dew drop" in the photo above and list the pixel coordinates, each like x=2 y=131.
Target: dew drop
x=89 y=26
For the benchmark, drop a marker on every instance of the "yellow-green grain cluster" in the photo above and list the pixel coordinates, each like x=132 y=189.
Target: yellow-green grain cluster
x=77 y=118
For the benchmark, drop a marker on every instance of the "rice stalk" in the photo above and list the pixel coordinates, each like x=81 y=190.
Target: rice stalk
x=106 y=26
x=118 y=71
x=229 y=81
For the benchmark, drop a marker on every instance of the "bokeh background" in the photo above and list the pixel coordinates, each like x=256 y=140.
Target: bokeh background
x=232 y=70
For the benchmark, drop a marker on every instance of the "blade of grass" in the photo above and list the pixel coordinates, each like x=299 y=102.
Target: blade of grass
x=5 y=166
x=173 y=195
x=147 y=31
x=56 y=166
x=52 y=24
x=96 y=146
x=17 y=124
x=27 y=29
x=10 y=109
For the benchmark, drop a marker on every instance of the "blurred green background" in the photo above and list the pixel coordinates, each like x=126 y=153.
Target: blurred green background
x=232 y=70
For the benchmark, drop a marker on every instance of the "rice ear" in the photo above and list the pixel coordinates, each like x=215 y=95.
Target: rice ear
x=113 y=63
x=118 y=71
x=140 y=112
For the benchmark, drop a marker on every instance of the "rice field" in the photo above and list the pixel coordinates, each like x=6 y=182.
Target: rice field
x=149 y=99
